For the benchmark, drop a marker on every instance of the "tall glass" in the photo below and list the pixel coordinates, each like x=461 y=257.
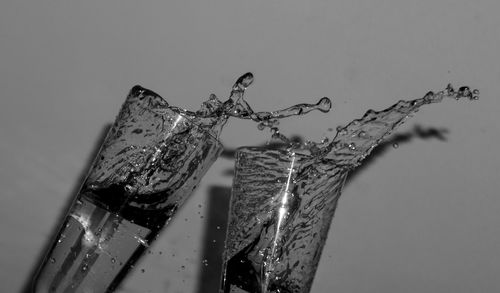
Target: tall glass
x=283 y=201
x=281 y=207
x=151 y=161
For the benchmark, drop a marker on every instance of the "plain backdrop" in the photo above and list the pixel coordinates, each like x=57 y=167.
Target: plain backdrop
x=424 y=217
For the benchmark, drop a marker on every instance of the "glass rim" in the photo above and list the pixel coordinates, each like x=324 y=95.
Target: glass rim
x=263 y=149
x=197 y=126
x=284 y=152
x=169 y=108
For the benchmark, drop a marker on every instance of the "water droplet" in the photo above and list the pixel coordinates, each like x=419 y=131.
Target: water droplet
x=450 y=91
x=395 y=145
x=430 y=97
x=113 y=260
x=128 y=188
x=464 y=91
x=218 y=227
x=84 y=268
x=141 y=241
x=244 y=81
x=362 y=134
x=324 y=105
x=52 y=260
x=475 y=92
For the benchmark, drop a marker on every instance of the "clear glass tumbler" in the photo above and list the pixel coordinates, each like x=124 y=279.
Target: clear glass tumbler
x=150 y=162
x=281 y=207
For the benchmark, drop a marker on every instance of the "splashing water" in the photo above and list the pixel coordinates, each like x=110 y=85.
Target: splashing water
x=152 y=159
x=353 y=142
x=213 y=114
x=283 y=200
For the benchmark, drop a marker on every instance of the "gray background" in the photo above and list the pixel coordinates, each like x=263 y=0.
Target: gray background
x=421 y=218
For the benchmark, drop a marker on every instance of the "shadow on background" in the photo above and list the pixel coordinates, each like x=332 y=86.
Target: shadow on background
x=396 y=140
x=62 y=213
x=213 y=239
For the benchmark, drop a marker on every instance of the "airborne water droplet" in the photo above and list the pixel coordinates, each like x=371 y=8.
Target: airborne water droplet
x=244 y=81
x=324 y=105
x=450 y=90
x=464 y=89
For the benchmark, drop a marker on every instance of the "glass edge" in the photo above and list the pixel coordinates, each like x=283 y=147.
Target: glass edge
x=133 y=90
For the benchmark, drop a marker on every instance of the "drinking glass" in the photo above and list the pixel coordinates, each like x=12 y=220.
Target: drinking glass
x=281 y=207
x=150 y=162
